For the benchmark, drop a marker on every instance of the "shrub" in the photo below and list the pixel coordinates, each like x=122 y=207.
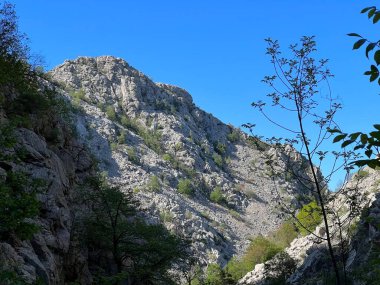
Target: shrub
x=185 y=187
x=110 y=112
x=154 y=184
x=18 y=204
x=216 y=195
x=220 y=148
x=130 y=124
x=214 y=275
x=121 y=138
x=166 y=216
x=260 y=250
x=113 y=146
x=362 y=174
x=132 y=156
x=310 y=216
x=167 y=157
x=234 y=135
x=285 y=234
x=218 y=159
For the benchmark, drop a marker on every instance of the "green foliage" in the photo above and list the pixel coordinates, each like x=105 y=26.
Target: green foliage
x=10 y=277
x=285 y=234
x=234 y=135
x=167 y=157
x=113 y=227
x=130 y=124
x=260 y=250
x=110 y=112
x=214 y=275
x=121 y=138
x=113 y=146
x=216 y=195
x=218 y=159
x=132 y=156
x=362 y=174
x=220 y=148
x=166 y=216
x=154 y=184
x=309 y=217
x=18 y=204
x=185 y=187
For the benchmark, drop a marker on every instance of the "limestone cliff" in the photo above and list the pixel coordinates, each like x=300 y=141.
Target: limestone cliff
x=149 y=137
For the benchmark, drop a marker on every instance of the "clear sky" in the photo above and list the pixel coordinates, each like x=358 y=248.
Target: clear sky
x=212 y=48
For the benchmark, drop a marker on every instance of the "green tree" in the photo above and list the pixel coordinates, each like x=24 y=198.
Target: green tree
x=294 y=86
x=309 y=217
x=139 y=251
x=18 y=204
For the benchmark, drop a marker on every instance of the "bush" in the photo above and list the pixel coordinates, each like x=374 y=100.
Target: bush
x=110 y=112
x=260 y=250
x=310 y=216
x=185 y=187
x=132 y=156
x=285 y=234
x=167 y=157
x=218 y=159
x=214 y=275
x=121 y=138
x=220 y=148
x=130 y=124
x=216 y=195
x=18 y=204
x=234 y=135
x=154 y=184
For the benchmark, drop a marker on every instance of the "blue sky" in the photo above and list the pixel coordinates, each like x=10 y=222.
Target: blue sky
x=213 y=49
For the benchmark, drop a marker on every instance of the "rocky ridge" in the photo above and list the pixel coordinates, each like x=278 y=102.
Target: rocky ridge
x=192 y=144
x=148 y=137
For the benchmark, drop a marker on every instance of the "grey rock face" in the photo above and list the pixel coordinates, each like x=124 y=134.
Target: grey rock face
x=194 y=145
x=138 y=130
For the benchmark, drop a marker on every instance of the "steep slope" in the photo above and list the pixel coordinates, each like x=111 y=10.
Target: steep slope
x=151 y=138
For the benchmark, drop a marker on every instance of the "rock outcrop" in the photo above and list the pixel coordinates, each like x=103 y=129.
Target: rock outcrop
x=363 y=233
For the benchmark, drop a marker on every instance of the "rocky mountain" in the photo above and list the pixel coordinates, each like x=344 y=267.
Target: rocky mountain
x=204 y=180
x=141 y=132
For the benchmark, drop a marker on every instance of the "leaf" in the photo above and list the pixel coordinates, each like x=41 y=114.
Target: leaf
x=366 y=9
x=368 y=153
x=364 y=139
x=375 y=135
x=371 y=12
x=354 y=35
x=373 y=163
x=373 y=77
x=359 y=146
x=376 y=18
x=359 y=43
x=354 y=136
x=362 y=162
x=347 y=142
x=370 y=47
x=367 y=73
x=376 y=57
x=339 y=138
x=332 y=131
x=377 y=127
